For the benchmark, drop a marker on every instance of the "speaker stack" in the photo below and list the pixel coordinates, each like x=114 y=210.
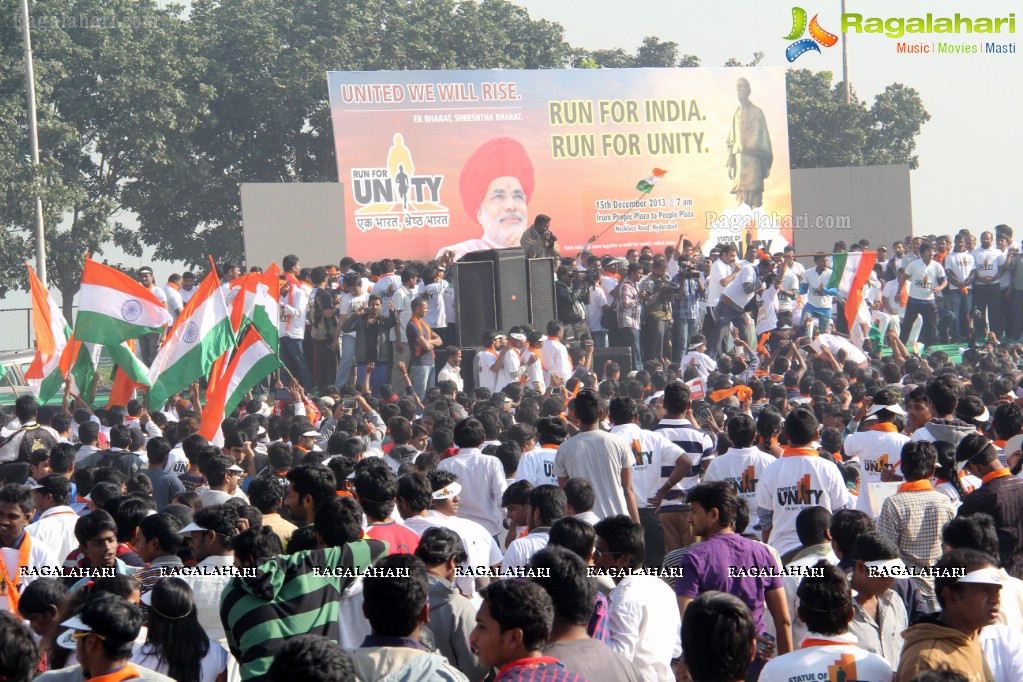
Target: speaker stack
x=499 y=289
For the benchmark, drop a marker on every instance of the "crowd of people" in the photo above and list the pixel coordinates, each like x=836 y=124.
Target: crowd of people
x=756 y=497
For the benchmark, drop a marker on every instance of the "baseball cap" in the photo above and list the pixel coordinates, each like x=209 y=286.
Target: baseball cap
x=448 y=491
x=518 y=337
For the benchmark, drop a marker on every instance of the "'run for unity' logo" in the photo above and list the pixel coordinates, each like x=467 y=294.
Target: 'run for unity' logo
x=818 y=36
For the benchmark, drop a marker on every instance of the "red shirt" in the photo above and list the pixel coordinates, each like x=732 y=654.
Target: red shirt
x=399 y=538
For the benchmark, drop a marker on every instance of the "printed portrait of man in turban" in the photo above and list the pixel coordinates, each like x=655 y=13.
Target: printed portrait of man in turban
x=496 y=184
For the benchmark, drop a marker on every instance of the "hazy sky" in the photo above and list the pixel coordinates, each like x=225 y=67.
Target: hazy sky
x=967 y=176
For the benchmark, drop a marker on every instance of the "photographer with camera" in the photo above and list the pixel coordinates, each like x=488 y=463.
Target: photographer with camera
x=571 y=295
x=538 y=241
x=657 y=292
x=686 y=313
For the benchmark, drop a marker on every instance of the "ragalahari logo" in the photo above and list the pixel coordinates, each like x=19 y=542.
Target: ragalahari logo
x=395 y=197
x=818 y=36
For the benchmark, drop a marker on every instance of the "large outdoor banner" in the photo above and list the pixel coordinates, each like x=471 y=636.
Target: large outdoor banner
x=464 y=160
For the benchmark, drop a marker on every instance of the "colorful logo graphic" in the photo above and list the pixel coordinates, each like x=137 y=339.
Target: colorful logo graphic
x=818 y=36
x=395 y=197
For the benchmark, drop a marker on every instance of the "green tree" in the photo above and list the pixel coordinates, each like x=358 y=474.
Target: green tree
x=270 y=121
x=655 y=53
x=894 y=122
x=824 y=131
x=117 y=81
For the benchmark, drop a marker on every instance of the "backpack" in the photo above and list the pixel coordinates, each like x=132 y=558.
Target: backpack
x=320 y=328
x=122 y=460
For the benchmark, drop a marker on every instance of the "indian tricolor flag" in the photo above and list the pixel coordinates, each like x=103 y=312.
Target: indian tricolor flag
x=112 y=307
x=52 y=333
x=200 y=335
x=849 y=273
x=648 y=183
x=265 y=305
x=252 y=362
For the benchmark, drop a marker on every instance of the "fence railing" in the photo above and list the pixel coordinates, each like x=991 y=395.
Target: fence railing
x=16 y=331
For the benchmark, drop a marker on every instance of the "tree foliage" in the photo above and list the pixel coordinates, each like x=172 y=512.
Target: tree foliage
x=824 y=131
x=118 y=83
x=163 y=116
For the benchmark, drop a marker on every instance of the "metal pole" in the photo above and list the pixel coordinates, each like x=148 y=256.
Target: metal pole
x=845 y=61
x=33 y=136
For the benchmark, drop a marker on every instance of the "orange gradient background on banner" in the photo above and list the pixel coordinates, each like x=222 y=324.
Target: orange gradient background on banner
x=433 y=113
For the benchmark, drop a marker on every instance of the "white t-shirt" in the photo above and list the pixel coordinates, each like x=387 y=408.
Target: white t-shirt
x=595 y=308
x=39 y=555
x=959 y=265
x=821 y=662
x=510 y=368
x=793 y=483
x=813 y=280
x=767 y=314
x=654 y=454
x=836 y=344
x=891 y=292
x=735 y=291
x=1003 y=649
x=872 y=450
x=645 y=625
x=742 y=468
x=789 y=282
x=534 y=370
x=556 y=360
x=344 y=307
x=436 y=315
x=718 y=271
x=537 y=466
x=211 y=665
x=704 y=363
x=923 y=278
x=987 y=261
x=485 y=360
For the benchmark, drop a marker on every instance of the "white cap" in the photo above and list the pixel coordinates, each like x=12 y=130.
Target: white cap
x=235 y=467
x=448 y=491
x=894 y=409
x=193 y=528
x=518 y=337
x=983 y=576
x=76 y=625
x=890 y=565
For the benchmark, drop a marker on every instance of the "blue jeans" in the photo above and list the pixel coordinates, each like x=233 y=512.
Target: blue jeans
x=344 y=368
x=294 y=359
x=630 y=337
x=423 y=378
x=381 y=373
x=599 y=339
x=960 y=305
x=823 y=322
x=681 y=332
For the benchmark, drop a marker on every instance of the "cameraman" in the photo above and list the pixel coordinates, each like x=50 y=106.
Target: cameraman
x=538 y=241
x=657 y=293
x=571 y=296
x=687 y=305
